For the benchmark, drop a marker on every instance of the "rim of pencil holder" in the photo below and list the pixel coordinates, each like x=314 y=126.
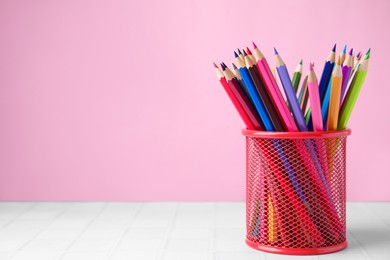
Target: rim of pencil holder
x=296 y=135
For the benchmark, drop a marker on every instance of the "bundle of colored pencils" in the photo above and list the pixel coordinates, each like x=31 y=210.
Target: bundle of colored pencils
x=263 y=105
x=311 y=106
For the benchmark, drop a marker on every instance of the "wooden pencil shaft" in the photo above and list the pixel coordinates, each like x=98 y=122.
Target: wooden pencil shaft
x=305 y=97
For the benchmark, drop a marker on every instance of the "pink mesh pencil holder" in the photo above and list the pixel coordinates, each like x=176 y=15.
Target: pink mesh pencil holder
x=295 y=191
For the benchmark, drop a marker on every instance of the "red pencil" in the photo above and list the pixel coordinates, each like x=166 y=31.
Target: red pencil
x=240 y=109
x=242 y=98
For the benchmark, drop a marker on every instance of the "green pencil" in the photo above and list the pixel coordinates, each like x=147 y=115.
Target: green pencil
x=307 y=116
x=297 y=76
x=353 y=93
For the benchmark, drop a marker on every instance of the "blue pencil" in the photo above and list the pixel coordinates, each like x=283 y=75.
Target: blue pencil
x=326 y=74
x=254 y=95
x=325 y=105
x=290 y=93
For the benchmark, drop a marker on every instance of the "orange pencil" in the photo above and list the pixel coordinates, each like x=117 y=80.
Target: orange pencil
x=335 y=92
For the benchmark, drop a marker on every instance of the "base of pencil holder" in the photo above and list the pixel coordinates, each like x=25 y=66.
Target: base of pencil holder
x=297 y=251
x=296 y=191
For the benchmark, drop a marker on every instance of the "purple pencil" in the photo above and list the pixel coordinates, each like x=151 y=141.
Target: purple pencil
x=290 y=93
x=346 y=70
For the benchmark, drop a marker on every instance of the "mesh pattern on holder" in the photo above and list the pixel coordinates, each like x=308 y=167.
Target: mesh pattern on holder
x=295 y=195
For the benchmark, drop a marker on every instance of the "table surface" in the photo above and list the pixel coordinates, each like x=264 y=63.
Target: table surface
x=163 y=231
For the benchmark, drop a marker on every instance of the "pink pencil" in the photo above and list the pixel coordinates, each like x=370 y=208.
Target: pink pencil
x=314 y=96
x=274 y=91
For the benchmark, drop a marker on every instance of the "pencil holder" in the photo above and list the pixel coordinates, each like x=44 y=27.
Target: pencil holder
x=295 y=191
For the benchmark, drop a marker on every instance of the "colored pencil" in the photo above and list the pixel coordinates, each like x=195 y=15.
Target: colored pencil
x=290 y=93
x=250 y=55
x=274 y=91
x=299 y=91
x=236 y=72
x=353 y=94
x=272 y=226
x=240 y=55
x=308 y=117
x=326 y=73
x=335 y=93
x=276 y=77
x=239 y=79
x=254 y=94
x=356 y=59
x=350 y=83
x=346 y=72
x=325 y=106
x=242 y=98
x=297 y=76
x=304 y=95
x=241 y=111
x=254 y=73
x=274 y=73
x=314 y=96
x=343 y=54
x=324 y=82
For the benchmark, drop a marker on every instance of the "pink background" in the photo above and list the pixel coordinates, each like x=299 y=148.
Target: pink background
x=118 y=100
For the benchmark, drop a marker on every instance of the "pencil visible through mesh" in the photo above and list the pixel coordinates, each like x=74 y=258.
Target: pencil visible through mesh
x=296 y=192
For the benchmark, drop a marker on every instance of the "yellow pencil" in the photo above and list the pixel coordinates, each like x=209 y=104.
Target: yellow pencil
x=272 y=228
x=335 y=92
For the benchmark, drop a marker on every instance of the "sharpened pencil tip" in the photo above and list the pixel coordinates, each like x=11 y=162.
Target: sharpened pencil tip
x=345 y=49
x=275 y=51
x=248 y=51
x=359 y=54
x=235 y=55
x=301 y=62
x=223 y=67
x=334 y=48
x=311 y=66
x=254 y=45
x=234 y=66
x=351 y=51
x=368 y=53
x=338 y=60
x=244 y=52
x=215 y=65
x=239 y=52
x=224 y=64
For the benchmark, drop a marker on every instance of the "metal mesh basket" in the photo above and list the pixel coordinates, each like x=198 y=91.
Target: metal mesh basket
x=295 y=192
